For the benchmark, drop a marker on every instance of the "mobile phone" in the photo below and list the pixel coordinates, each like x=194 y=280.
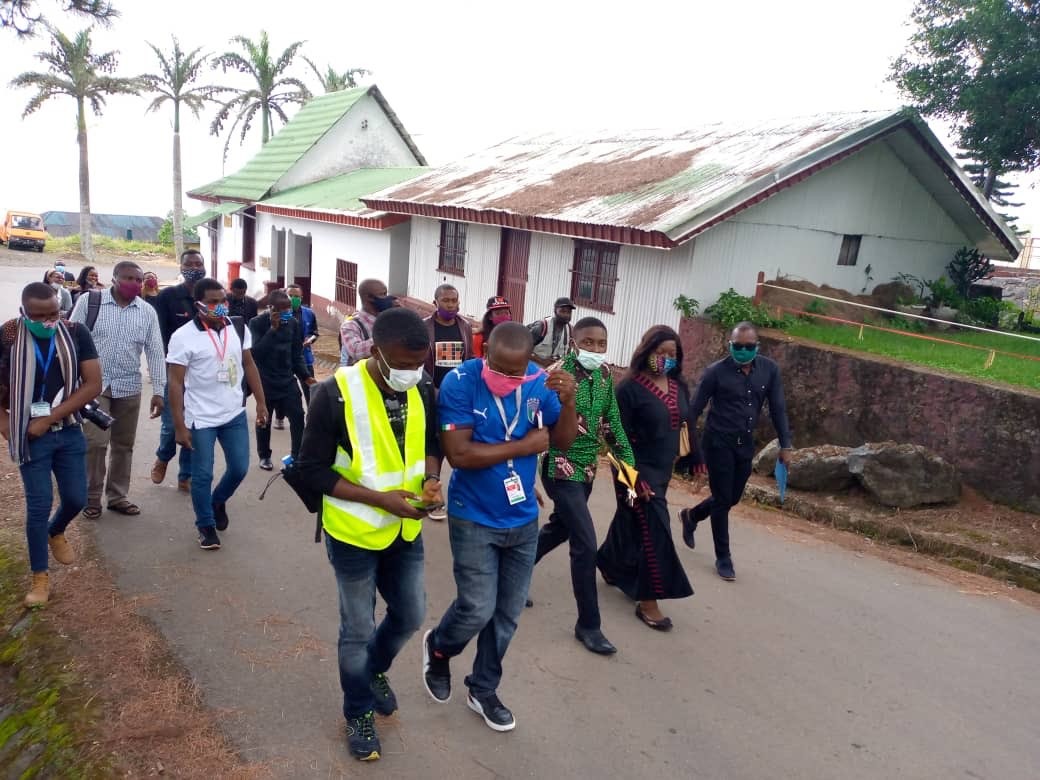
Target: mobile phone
x=427 y=508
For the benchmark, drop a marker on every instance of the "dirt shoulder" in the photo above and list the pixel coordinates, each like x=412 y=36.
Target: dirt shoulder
x=88 y=688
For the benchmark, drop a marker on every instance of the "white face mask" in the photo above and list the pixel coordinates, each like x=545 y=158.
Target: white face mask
x=400 y=380
x=590 y=361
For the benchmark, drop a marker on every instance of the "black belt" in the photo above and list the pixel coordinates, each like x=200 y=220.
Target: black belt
x=732 y=439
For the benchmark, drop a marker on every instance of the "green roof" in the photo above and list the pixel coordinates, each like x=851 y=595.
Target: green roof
x=211 y=213
x=256 y=178
x=343 y=192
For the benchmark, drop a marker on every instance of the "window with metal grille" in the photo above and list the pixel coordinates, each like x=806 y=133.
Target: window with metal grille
x=346 y=283
x=849 y=252
x=594 y=274
x=452 y=258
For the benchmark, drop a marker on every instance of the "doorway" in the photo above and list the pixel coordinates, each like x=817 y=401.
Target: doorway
x=512 y=269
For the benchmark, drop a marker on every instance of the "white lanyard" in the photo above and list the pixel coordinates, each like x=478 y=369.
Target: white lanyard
x=510 y=426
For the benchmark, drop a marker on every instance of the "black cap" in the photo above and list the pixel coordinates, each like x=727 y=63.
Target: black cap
x=564 y=302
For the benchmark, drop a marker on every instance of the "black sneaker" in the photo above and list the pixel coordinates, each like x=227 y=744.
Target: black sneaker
x=208 y=539
x=494 y=712
x=386 y=701
x=362 y=737
x=220 y=516
x=724 y=566
x=266 y=464
x=436 y=671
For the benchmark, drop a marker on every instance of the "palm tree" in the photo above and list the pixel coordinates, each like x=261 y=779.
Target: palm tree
x=77 y=72
x=269 y=94
x=178 y=71
x=331 y=81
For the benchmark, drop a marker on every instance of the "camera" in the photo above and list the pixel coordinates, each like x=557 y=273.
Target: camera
x=95 y=414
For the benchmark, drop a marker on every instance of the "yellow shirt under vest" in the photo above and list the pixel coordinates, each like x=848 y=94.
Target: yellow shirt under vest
x=375 y=463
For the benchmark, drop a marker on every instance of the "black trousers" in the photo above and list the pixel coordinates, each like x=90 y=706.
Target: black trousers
x=285 y=405
x=729 y=467
x=305 y=389
x=571 y=521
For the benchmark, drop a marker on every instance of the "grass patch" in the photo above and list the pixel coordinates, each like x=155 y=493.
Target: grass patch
x=115 y=245
x=948 y=357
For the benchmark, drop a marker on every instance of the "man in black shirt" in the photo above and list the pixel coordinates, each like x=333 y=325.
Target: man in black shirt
x=240 y=304
x=278 y=352
x=451 y=335
x=49 y=370
x=176 y=306
x=737 y=387
x=369 y=469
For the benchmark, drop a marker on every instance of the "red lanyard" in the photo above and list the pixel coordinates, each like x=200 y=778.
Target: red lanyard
x=223 y=334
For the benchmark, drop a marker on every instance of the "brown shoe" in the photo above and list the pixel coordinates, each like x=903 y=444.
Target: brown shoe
x=158 y=471
x=184 y=485
x=40 y=591
x=61 y=550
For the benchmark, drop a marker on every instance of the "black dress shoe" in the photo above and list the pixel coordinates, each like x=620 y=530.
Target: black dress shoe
x=266 y=465
x=689 y=525
x=594 y=640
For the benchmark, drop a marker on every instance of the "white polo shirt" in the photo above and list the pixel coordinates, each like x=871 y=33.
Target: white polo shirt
x=213 y=372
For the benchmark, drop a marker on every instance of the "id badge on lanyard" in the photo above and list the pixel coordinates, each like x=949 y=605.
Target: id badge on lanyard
x=513 y=486
x=223 y=375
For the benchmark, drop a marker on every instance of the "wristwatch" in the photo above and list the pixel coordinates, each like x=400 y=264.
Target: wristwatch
x=428 y=477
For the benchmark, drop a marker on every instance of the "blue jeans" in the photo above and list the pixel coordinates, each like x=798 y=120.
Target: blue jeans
x=234 y=441
x=492 y=573
x=364 y=650
x=63 y=453
x=168 y=441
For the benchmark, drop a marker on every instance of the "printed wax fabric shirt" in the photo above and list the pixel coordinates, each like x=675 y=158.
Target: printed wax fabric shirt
x=464 y=401
x=121 y=334
x=213 y=372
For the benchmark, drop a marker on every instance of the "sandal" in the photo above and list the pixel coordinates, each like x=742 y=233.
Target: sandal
x=124 y=508
x=91 y=512
x=656 y=625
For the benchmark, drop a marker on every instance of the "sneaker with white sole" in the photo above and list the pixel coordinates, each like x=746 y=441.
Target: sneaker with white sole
x=436 y=671
x=495 y=714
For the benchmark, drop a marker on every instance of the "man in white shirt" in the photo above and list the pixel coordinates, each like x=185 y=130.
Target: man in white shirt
x=207 y=361
x=123 y=326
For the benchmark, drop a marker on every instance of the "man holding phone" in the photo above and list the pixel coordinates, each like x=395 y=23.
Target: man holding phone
x=370 y=447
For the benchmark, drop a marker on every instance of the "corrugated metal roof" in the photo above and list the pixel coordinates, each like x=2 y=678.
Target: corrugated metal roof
x=253 y=181
x=214 y=211
x=104 y=221
x=641 y=187
x=343 y=193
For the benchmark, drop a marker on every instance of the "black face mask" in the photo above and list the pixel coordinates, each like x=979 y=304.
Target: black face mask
x=383 y=303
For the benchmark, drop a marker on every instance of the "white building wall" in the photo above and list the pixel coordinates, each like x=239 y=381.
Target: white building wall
x=481 y=279
x=363 y=138
x=229 y=244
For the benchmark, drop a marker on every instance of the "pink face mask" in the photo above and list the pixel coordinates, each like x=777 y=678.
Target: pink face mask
x=503 y=384
x=498 y=319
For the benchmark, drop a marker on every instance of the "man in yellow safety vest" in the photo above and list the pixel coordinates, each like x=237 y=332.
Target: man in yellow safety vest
x=370 y=446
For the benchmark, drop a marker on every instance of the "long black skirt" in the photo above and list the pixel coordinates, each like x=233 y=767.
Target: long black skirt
x=638 y=554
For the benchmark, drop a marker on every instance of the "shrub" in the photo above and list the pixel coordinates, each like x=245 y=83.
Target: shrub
x=966 y=268
x=732 y=307
x=982 y=311
x=942 y=293
x=688 y=307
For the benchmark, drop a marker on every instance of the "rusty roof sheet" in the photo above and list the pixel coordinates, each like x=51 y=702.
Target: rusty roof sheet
x=643 y=180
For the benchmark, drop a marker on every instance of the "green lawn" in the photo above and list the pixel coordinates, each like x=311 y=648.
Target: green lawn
x=948 y=357
x=117 y=245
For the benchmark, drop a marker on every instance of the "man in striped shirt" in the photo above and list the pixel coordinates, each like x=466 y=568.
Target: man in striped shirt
x=125 y=326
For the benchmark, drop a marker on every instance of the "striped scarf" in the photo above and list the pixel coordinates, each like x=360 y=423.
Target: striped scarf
x=22 y=379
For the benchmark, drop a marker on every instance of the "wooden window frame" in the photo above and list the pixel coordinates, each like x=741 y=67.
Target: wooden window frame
x=602 y=277
x=848 y=255
x=451 y=256
x=346 y=288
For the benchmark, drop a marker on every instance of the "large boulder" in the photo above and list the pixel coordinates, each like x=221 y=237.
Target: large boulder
x=765 y=460
x=824 y=468
x=889 y=294
x=904 y=475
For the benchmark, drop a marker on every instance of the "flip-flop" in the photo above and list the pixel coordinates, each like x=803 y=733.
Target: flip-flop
x=656 y=625
x=124 y=508
x=92 y=512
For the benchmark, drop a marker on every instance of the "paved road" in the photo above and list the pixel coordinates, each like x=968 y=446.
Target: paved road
x=818 y=663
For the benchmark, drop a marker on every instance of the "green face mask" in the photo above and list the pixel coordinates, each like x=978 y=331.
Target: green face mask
x=41 y=330
x=296 y=301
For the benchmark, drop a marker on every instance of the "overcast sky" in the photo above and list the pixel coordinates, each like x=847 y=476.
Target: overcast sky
x=461 y=76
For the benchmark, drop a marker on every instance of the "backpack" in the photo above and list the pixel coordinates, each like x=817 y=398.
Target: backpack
x=364 y=337
x=93 y=307
x=239 y=324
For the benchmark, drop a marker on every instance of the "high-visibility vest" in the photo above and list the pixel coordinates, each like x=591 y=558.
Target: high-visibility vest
x=375 y=463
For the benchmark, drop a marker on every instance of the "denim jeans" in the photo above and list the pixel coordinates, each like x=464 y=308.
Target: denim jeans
x=234 y=441
x=63 y=453
x=728 y=471
x=364 y=650
x=492 y=573
x=571 y=521
x=168 y=441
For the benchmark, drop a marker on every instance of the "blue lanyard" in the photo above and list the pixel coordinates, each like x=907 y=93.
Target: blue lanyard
x=45 y=363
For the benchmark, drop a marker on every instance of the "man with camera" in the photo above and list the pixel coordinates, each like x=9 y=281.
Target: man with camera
x=123 y=326
x=49 y=371
x=371 y=450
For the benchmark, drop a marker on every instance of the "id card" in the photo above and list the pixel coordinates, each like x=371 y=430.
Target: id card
x=40 y=409
x=514 y=490
x=223 y=376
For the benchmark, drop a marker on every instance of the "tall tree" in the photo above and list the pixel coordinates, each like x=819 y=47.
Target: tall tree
x=75 y=71
x=271 y=91
x=976 y=64
x=332 y=80
x=174 y=83
x=22 y=16
x=1000 y=191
